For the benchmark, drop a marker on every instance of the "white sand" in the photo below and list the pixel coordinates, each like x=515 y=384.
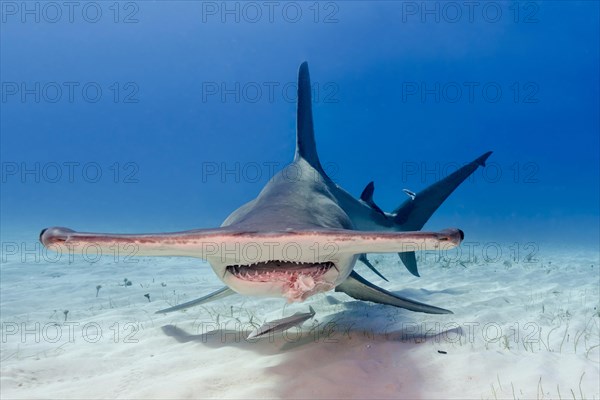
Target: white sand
x=521 y=329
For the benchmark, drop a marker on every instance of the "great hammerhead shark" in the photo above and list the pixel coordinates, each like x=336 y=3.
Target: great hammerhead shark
x=303 y=234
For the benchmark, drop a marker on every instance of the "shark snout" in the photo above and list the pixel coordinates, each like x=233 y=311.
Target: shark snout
x=54 y=235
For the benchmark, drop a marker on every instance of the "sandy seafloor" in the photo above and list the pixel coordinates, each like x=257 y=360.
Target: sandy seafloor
x=525 y=328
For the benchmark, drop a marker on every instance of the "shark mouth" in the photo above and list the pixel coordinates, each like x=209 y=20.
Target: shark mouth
x=279 y=271
x=299 y=280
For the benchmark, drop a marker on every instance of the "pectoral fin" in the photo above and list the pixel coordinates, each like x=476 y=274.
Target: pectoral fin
x=363 y=258
x=361 y=289
x=219 y=294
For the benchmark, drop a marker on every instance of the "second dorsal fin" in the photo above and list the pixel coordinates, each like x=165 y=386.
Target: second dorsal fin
x=367 y=197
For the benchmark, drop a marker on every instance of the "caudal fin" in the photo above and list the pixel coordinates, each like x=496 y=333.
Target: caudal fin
x=417 y=210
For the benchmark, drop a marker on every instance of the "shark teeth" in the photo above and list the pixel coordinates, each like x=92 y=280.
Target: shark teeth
x=280 y=271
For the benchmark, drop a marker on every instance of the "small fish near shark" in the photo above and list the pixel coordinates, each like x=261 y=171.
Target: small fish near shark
x=300 y=236
x=283 y=324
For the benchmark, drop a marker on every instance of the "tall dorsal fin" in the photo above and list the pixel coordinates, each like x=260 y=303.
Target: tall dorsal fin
x=306 y=147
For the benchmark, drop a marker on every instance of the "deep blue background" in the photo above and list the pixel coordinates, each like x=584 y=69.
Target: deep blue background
x=363 y=57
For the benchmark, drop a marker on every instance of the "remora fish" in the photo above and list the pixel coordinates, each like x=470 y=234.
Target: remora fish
x=283 y=324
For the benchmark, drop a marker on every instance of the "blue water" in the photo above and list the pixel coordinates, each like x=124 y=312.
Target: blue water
x=185 y=128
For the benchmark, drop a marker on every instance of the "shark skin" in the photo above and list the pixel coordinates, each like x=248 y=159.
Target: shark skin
x=300 y=236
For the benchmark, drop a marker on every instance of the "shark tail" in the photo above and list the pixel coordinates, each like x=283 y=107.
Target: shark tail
x=416 y=211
